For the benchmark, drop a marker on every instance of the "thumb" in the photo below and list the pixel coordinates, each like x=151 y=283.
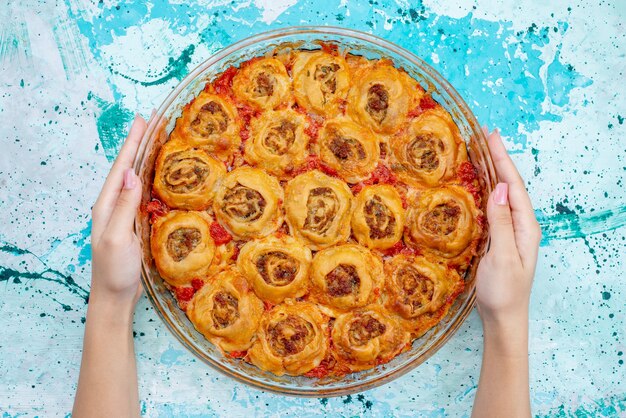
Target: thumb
x=500 y=220
x=126 y=206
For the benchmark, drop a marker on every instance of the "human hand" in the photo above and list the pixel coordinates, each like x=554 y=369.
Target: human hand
x=115 y=248
x=505 y=275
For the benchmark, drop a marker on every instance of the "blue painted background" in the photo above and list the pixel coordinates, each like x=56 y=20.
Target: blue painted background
x=549 y=74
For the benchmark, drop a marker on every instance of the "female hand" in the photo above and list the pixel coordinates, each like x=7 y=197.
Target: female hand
x=505 y=274
x=115 y=249
x=503 y=283
x=107 y=385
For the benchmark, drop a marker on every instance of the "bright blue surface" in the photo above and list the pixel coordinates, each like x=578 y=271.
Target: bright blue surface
x=549 y=75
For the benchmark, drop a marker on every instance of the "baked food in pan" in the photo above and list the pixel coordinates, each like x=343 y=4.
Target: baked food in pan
x=316 y=212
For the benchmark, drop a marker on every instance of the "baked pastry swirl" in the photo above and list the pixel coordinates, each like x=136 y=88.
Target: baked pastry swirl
x=277 y=267
x=263 y=83
x=368 y=336
x=292 y=339
x=381 y=97
x=345 y=277
x=211 y=122
x=428 y=152
x=321 y=81
x=349 y=149
x=318 y=209
x=443 y=222
x=278 y=142
x=185 y=176
x=417 y=289
x=226 y=311
x=248 y=203
x=313 y=211
x=182 y=246
x=378 y=217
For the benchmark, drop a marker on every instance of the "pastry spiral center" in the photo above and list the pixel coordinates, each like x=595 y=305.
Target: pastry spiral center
x=290 y=335
x=379 y=218
x=244 y=203
x=417 y=288
x=277 y=268
x=442 y=219
x=423 y=152
x=364 y=329
x=327 y=78
x=183 y=174
x=182 y=241
x=211 y=119
x=346 y=148
x=280 y=138
x=225 y=309
x=377 y=102
x=264 y=85
x=322 y=205
x=343 y=280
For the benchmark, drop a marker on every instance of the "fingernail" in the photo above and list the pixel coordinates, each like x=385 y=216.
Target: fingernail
x=130 y=180
x=501 y=194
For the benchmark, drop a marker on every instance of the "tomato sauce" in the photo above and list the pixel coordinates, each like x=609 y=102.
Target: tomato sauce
x=329 y=48
x=155 y=209
x=313 y=162
x=246 y=113
x=426 y=103
x=381 y=175
x=219 y=234
x=318 y=372
x=197 y=284
x=184 y=293
x=468 y=175
x=224 y=83
x=237 y=354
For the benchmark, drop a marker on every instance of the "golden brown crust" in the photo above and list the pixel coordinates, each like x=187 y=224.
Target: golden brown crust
x=292 y=339
x=263 y=83
x=418 y=289
x=378 y=217
x=318 y=209
x=429 y=151
x=278 y=142
x=226 y=311
x=368 y=336
x=381 y=96
x=248 y=203
x=344 y=277
x=182 y=246
x=277 y=267
x=443 y=223
x=211 y=122
x=185 y=176
x=349 y=149
x=321 y=82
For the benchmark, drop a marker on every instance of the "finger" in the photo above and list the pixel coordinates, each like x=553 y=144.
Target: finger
x=123 y=216
x=527 y=231
x=105 y=203
x=501 y=223
x=507 y=172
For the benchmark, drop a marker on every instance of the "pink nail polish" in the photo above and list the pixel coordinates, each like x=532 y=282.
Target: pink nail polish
x=501 y=194
x=129 y=179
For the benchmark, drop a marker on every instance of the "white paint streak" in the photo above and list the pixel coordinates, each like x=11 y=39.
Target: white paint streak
x=271 y=9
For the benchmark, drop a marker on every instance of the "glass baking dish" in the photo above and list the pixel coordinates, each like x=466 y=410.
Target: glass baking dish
x=162 y=123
